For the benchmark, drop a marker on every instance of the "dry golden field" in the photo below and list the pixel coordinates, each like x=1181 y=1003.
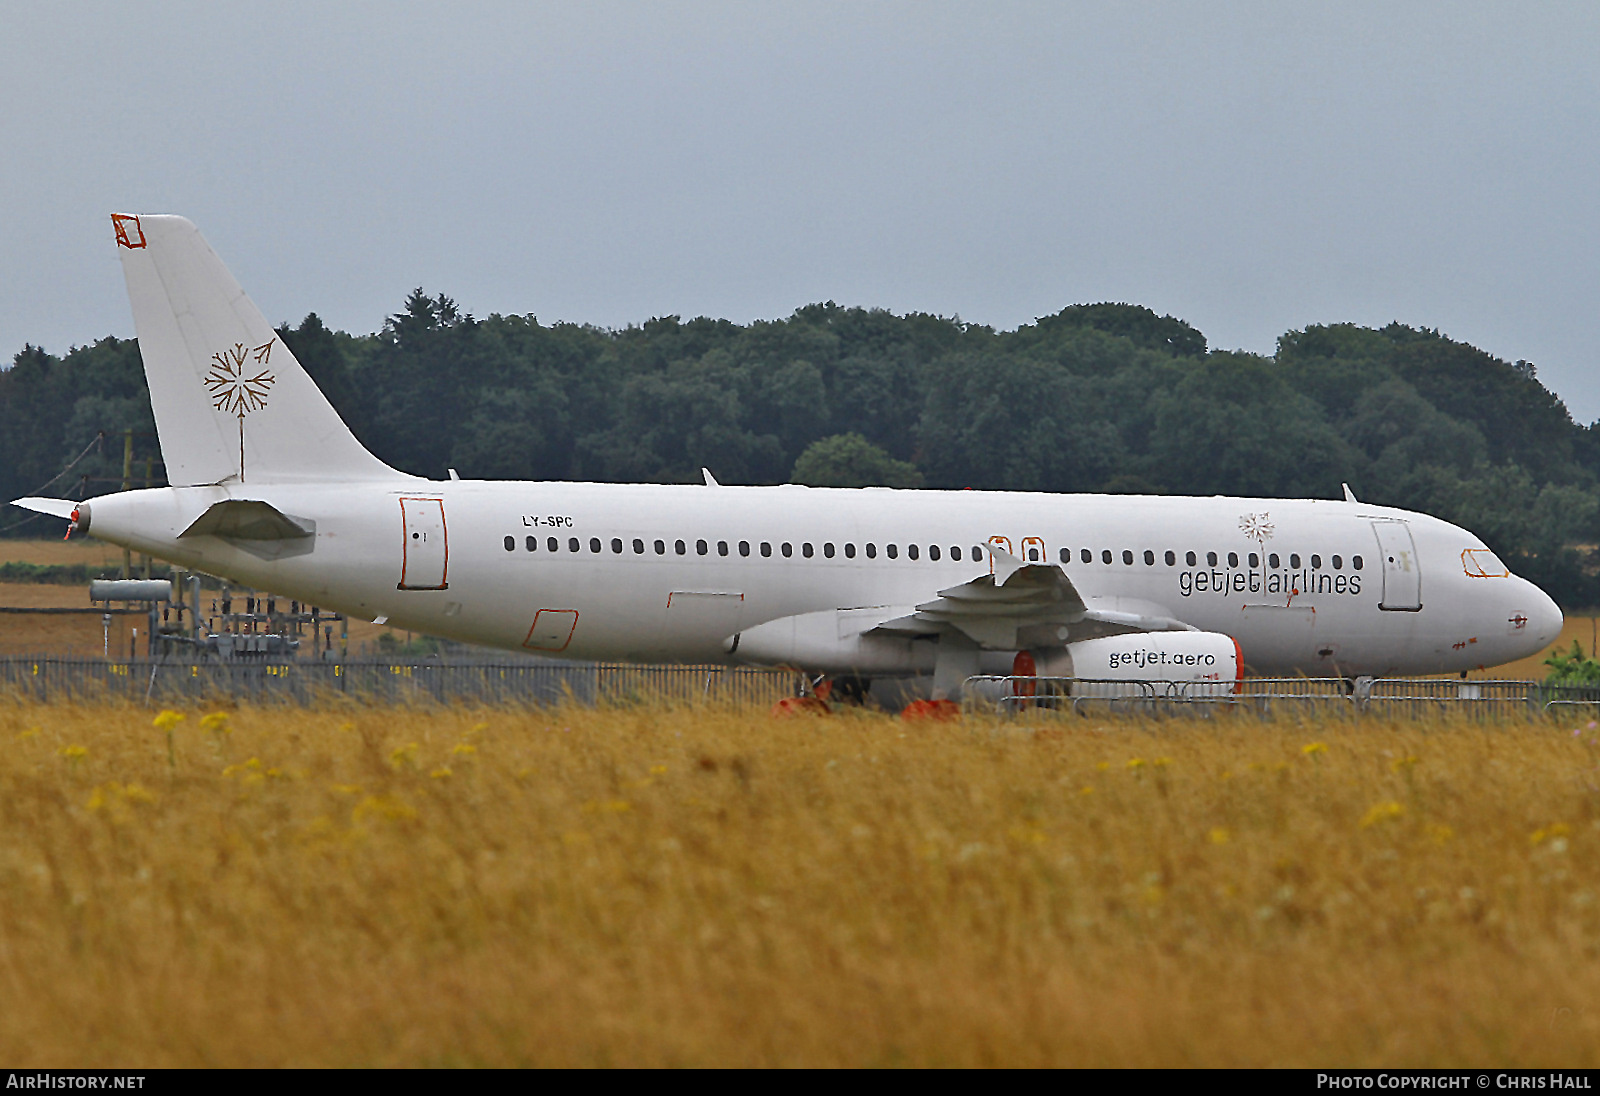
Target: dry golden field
x=693 y=886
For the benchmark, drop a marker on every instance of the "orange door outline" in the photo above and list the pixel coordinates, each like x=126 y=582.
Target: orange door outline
x=559 y=619
x=1033 y=550
x=416 y=566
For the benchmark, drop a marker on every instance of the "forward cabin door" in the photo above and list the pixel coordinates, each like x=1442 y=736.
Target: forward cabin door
x=425 y=558
x=1402 y=577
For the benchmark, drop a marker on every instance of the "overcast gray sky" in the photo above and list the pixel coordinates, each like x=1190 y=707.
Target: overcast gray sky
x=1248 y=167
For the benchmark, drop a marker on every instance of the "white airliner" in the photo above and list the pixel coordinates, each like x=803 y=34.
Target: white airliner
x=270 y=489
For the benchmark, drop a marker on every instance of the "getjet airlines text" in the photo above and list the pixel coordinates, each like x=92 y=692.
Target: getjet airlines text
x=1297 y=583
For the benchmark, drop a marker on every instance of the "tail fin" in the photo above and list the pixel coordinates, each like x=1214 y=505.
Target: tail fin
x=230 y=401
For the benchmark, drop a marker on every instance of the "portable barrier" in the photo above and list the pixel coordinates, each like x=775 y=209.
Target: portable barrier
x=1269 y=697
x=387 y=681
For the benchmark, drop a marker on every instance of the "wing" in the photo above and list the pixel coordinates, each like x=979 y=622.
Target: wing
x=1026 y=605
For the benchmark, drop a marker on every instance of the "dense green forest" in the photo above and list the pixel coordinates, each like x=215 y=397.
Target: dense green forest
x=1103 y=397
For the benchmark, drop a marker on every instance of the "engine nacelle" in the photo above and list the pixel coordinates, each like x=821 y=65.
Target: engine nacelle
x=833 y=641
x=1174 y=663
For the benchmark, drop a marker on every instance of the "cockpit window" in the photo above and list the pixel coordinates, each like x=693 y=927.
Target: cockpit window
x=1482 y=563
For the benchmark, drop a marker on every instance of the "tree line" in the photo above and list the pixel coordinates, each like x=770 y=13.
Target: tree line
x=1101 y=397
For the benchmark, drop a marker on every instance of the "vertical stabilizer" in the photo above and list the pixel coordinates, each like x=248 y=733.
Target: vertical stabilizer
x=232 y=405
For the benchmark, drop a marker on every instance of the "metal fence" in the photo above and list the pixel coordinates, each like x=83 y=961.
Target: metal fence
x=386 y=681
x=528 y=682
x=1270 y=697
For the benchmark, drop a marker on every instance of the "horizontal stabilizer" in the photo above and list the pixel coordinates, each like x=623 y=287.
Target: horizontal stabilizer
x=244 y=519
x=56 y=508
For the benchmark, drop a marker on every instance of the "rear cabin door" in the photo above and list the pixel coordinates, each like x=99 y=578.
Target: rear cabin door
x=1402 y=577
x=425 y=558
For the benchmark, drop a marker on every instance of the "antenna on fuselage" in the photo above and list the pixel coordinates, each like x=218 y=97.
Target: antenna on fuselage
x=1349 y=495
x=711 y=481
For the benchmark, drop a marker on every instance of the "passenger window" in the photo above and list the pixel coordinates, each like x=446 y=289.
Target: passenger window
x=679 y=547
x=787 y=549
x=1211 y=559
x=1255 y=560
x=532 y=544
x=1272 y=561
x=892 y=550
x=1233 y=559
x=638 y=546
x=766 y=548
x=911 y=551
x=553 y=544
x=1127 y=557
x=616 y=546
x=1171 y=558
x=1188 y=559
x=806 y=549
x=1338 y=563
x=511 y=544
x=574 y=546
x=827 y=548
x=872 y=551
x=1294 y=560
x=977 y=554
x=661 y=547
x=955 y=552
x=933 y=552
x=1105 y=556
x=1355 y=561
x=1316 y=562
x=744 y=547
x=722 y=547
x=849 y=551
x=1086 y=555
x=1065 y=555
x=1149 y=558
x=701 y=547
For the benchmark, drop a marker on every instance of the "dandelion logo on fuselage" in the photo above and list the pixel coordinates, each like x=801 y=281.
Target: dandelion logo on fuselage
x=1257 y=527
x=239 y=381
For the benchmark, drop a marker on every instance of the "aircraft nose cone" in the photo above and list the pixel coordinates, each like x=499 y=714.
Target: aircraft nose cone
x=1544 y=617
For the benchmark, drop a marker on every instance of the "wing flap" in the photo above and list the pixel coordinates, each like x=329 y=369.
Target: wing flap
x=1023 y=604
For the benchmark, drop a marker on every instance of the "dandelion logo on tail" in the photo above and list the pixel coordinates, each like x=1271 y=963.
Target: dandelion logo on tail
x=239 y=381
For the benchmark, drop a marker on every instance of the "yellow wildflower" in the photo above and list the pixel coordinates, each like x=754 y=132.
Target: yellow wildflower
x=1136 y=763
x=1311 y=749
x=1559 y=829
x=1219 y=836
x=1381 y=812
x=216 y=723
x=405 y=756
x=74 y=753
x=388 y=807
x=465 y=749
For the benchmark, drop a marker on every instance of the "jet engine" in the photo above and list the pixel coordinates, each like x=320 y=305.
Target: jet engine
x=1148 y=663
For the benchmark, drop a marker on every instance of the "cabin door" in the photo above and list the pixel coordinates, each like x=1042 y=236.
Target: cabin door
x=425 y=556
x=1402 y=577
